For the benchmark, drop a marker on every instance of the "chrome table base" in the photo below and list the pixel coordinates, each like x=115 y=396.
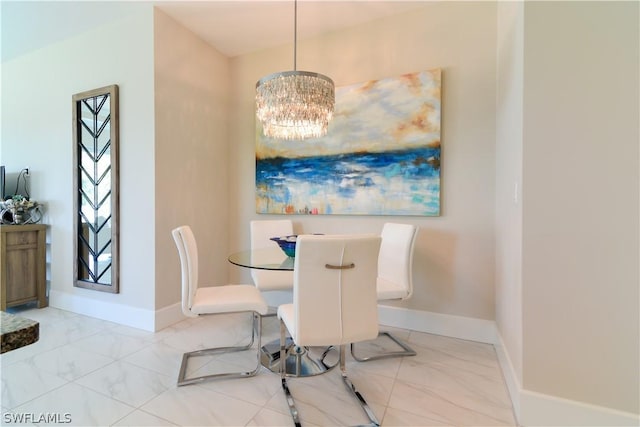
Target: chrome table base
x=301 y=361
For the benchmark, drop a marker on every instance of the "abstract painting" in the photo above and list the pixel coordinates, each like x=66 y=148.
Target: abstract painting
x=381 y=155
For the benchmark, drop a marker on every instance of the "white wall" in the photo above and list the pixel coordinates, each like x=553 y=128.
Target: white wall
x=36 y=131
x=580 y=211
x=191 y=101
x=454 y=264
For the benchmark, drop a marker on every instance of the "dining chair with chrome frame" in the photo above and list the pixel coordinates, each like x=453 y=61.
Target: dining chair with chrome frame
x=394 y=282
x=208 y=300
x=261 y=233
x=334 y=301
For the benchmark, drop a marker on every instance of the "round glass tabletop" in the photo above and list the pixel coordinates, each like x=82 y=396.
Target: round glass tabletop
x=263 y=259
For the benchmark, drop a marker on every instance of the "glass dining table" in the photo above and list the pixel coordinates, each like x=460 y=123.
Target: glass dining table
x=301 y=361
x=263 y=259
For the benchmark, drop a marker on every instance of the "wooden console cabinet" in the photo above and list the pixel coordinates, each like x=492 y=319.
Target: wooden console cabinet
x=22 y=265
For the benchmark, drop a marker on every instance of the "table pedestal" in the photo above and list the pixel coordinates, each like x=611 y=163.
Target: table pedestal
x=301 y=361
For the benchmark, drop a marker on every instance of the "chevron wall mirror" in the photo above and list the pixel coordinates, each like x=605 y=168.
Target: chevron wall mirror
x=95 y=177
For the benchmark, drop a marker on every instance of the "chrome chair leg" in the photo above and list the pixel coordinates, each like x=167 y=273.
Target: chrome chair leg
x=356 y=393
x=406 y=350
x=283 y=376
x=285 y=387
x=256 y=329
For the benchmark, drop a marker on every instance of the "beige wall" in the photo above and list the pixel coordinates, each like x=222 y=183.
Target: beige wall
x=509 y=188
x=454 y=264
x=580 y=213
x=191 y=116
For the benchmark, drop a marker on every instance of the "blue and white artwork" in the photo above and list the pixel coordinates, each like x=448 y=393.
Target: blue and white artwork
x=381 y=155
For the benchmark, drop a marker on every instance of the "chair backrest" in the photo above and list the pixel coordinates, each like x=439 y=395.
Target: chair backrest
x=261 y=232
x=395 y=261
x=332 y=305
x=188 y=251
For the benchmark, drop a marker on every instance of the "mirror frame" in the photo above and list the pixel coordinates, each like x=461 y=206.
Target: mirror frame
x=112 y=92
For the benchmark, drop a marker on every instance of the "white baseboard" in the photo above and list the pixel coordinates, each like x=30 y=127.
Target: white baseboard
x=465 y=328
x=113 y=312
x=538 y=409
x=531 y=408
x=169 y=315
x=147 y=320
x=510 y=376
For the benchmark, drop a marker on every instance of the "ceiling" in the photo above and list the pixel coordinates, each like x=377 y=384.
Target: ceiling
x=233 y=27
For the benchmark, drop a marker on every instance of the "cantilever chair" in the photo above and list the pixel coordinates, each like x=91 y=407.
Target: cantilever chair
x=261 y=233
x=395 y=268
x=334 y=300
x=199 y=301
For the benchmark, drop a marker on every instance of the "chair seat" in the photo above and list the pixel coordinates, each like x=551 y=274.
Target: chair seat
x=387 y=290
x=286 y=314
x=228 y=299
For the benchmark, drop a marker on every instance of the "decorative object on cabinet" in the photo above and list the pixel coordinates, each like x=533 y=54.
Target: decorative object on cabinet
x=380 y=157
x=22 y=265
x=20 y=210
x=95 y=176
x=294 y=105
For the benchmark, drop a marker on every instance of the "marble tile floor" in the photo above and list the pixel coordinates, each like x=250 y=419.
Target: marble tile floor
x=89 y=372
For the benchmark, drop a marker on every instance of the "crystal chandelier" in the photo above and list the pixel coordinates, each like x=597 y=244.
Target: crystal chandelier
x=295 y=104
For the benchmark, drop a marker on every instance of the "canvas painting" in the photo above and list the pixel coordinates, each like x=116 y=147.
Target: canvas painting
x=381 y=155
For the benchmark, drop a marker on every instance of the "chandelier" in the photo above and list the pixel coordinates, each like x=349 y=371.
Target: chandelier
x=295 y=104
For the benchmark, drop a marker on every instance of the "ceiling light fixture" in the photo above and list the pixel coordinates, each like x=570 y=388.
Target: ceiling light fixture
x=295 y=104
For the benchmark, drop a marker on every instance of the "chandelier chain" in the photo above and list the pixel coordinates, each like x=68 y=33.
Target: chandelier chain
x=295 y=104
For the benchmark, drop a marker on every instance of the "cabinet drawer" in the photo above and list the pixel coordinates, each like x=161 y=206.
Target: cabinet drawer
x=21 y=238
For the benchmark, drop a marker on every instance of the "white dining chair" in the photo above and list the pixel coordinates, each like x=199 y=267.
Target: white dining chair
x=334 y=301
x=200 y=300
x=261 y=233
x=394 y=282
